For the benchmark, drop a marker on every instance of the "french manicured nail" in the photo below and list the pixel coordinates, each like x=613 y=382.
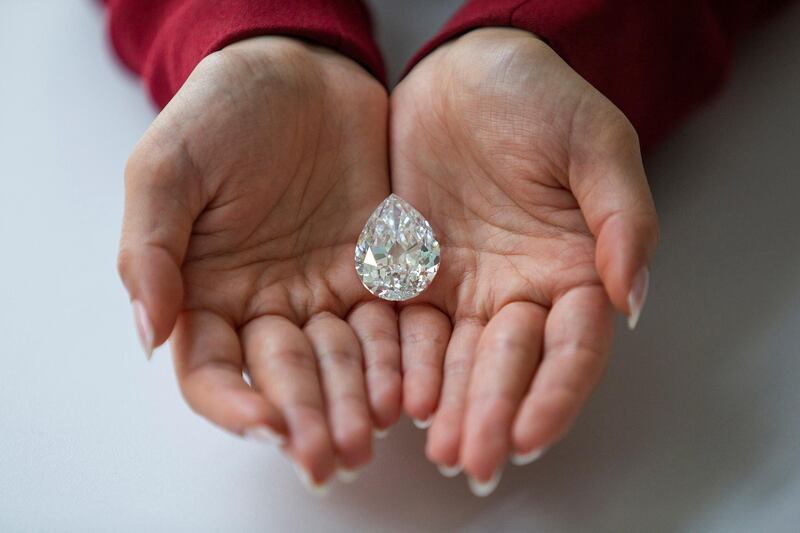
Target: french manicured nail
x=348 y=475
x=315 y=489
x=481 y=489
x=144 y=328
x=380 y=433
x=522 y=459
x=423 y=424
x=638 y=296
x=264 y=435
x=449 y=471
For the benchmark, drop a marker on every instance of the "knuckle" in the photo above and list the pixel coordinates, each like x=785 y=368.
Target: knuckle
x=421 y=368
x=506 y=343
x=355 y=401
x=124 y=263
x=321 y=316
x=340 y=358
x=457 y=366
x=385 y=367
x=380 y=335
x=582 y=380
x=621 y=131
x=494 y=403
x=419 y=336
x=292 y=360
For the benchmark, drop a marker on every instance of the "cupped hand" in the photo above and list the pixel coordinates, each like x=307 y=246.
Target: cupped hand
x=243 y=202
x=534 y=183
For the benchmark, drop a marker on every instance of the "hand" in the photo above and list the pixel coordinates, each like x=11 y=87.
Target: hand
x=243 y=202
x=534 y=184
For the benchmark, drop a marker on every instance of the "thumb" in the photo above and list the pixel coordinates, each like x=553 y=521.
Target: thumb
x=612 y=191
x=162 y=200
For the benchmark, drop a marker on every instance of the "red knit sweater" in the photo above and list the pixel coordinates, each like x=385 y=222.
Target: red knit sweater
x=655 y=59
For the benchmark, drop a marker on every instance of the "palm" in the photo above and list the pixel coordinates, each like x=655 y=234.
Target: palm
x=485 y=134
x=288 y=190
x=281 y=154
x=493 y=158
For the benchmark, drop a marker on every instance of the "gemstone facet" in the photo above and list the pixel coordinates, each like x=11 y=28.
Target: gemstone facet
x=397 y=255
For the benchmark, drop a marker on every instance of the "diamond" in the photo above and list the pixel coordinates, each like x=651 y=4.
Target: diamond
x=397 y=255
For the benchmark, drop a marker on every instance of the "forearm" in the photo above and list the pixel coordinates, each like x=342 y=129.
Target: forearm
x=655 y=60
x=163 y=40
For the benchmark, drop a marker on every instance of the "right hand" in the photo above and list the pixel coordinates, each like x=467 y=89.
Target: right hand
x=534 y=182
x=242 y=204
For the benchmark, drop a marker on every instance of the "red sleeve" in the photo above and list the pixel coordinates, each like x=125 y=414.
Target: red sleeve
x=163 y=40
x=656 y=60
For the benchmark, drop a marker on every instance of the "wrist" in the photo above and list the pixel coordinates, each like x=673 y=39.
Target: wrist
x=283 y=54
x=479 y=49
x=273 y=49
x=497 y=36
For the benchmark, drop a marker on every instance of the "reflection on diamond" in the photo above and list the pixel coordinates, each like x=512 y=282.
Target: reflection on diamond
x=397 y=255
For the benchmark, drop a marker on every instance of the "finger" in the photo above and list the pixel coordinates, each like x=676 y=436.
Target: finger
x=424 y=334
x=162 y=199
x=281 y=363
x=577 y=344
x=208 y=363
x=444 y=437
x=375 y=326
x=507 y=356
x=610 y=185
x=342 y=375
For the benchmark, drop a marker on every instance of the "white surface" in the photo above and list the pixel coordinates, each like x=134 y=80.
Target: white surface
x=696 y=427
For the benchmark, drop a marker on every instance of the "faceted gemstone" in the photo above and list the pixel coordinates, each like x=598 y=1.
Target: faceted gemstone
x=397 y=255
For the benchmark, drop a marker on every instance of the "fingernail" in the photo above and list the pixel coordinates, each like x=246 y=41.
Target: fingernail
x=380 y=433
x=481 y=489
x=449 y=471
x=348 y=475
x=522 y=459
x=264 y=435
x=143 y=327
x=313 y=488
x=637 y=296
x=423 y=424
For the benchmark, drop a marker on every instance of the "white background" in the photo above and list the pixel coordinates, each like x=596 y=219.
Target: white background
x=695 y=428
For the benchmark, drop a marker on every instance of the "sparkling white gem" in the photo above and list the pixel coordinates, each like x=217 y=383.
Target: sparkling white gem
x=397 y=255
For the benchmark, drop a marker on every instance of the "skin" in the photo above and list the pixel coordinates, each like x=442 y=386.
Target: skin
x=535 y=186
x=242 y=204
x=246 y=196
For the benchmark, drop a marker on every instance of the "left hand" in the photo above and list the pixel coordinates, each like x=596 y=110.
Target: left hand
x=534 y=184
x=242 y=203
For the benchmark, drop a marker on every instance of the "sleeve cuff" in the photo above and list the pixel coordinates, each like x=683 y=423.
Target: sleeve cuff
x=654 y=60
x=163 y=40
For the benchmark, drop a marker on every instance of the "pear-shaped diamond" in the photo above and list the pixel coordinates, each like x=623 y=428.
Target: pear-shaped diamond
x=397 y=255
